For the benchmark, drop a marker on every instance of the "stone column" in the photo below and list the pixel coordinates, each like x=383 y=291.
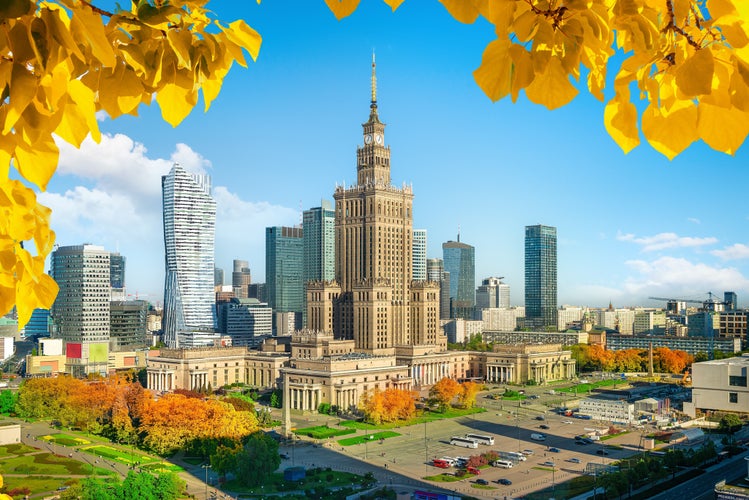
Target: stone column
x=286 y=403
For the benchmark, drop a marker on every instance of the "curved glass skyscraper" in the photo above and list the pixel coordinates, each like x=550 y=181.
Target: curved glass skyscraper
x=189 y=236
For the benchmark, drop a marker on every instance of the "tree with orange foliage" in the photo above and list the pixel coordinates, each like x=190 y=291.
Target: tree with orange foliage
x=443 y=392
x=389 y=405
x=468 y=391
x=667 y=361
x=601 y=358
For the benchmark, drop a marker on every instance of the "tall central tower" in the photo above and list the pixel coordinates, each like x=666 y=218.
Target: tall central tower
x=373 y=299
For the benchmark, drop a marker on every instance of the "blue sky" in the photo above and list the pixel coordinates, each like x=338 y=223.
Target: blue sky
x=284 y=132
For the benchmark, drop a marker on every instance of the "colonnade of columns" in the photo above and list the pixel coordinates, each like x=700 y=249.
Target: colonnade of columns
x=304 y=398
x=499 y=373
x=429 y=373
x=347 y=398
x=160 y=380
x=198 y=380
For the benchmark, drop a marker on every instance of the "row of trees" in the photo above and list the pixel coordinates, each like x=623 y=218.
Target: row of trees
x=250 y=460
x=136 y=486
x=389 y=405
x=119 y=408
x=665 y=360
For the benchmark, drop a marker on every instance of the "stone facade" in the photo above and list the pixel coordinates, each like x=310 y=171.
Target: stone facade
x=518 y=364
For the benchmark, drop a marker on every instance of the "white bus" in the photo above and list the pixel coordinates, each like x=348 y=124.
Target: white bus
x=464 y=442
x=450 y=460
x=481 y=439
x=512 y=455
x=505 y=464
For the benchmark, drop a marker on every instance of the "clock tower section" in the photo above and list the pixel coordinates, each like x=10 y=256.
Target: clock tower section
x=373 y=159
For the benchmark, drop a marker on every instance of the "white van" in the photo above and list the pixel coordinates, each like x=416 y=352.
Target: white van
x=504 y=464
x=536 y=436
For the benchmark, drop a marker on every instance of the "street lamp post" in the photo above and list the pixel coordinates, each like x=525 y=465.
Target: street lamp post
x=206 y=467
x=426 y=452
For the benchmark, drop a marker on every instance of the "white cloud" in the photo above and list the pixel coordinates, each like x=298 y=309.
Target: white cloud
x=694 y=220
x=734 y=252
x=675 y=277
x=116 y=202
x=662 y=241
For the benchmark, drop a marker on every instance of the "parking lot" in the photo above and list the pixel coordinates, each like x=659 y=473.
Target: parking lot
x=511 y=424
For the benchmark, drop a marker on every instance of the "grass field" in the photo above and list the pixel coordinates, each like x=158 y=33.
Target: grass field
x=584 y=388
x=127 y=458
x=322 y=432
x=445 y=477
x=315 y=479
x=16 y=449
x=65 y=439
x=159 y=467
x=367 y=437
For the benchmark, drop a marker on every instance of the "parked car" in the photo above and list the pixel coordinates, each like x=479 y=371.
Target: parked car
x=566 y=421
x=504 y=481
x=574 y=460
x=527 y=452
x=284 y=456
x=544 y=426
x=554 y=450
x=548 y=463
x=482 y=482
x=540 y=417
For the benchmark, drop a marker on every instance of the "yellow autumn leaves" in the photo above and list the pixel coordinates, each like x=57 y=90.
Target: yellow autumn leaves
x=689 y=60
x=63 y=61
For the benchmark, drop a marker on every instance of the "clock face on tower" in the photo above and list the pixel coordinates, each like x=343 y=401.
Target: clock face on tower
x=367 y=139
x=378 y=138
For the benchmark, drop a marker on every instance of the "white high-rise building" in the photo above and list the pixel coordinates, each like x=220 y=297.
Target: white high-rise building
x=492 y=294
x=81 y=308
x=189 y=238
x=419 y=255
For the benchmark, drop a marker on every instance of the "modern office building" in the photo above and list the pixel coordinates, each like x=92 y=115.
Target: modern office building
x=284 y=268
x=540 y=276
x=460 y=261
x=81 y=309
x=128 y=325
x=719 y=385
x=318 y=226
x=241 y=277
x=248 y=321
x=258 y=291
x=39 y=325
x=419 y=252
x=502 y=319
x=492 y=293
x=730 y=300
x=189 y=214
x=218 y=276
x=373 y=299
x=117 y=275
x=436 y=272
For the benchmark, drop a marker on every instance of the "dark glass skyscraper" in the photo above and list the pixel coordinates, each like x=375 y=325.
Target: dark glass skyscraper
x=460 y=261
x=284 y=267
x=540 y=276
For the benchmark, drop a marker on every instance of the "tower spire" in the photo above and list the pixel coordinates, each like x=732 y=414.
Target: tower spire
x=373 y=104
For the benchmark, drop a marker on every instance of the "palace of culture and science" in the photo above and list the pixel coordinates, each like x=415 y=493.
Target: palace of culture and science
x=370 y=327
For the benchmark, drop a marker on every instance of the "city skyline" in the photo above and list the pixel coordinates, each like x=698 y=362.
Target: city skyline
x=282 y=135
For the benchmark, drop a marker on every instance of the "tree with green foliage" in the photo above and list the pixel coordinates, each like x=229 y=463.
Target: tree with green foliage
x=730 y=424
x=275 y=399
x=8 y=401
x=258 y=458
x=224 y=459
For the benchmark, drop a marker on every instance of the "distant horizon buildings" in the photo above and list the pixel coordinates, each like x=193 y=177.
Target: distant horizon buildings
x=436 y=272
x=460 y=261
x=189 y=214
x=540 y=276
x=318 y=235
x=492 y=293
x=241 y=277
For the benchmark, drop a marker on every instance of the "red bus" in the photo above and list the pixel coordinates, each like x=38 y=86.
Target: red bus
x=442 y=464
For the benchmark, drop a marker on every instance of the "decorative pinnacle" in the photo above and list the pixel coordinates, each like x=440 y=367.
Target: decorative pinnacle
x=374 y=83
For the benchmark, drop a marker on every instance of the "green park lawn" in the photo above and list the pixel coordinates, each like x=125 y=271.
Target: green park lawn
x=367 y=437
x=568 y=489
x=322 y=432
x=584 y=388
x=125 y=457
x=16 y=449
x=65 y=439
x=46 y=464
x=445 y=477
